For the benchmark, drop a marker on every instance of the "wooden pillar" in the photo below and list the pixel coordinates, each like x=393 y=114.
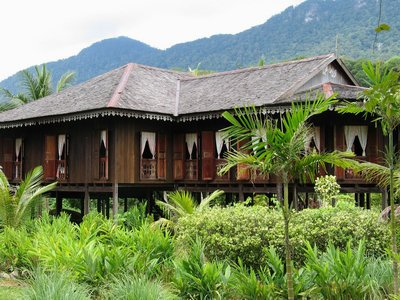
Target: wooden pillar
x=103 y=206
x=125 y=204
x=362 y=200
x=368 y=201
x=356 y=199
x=115 y=202
x=241 y=194
x=86 y=202
x=58 y=204
x=384 y=199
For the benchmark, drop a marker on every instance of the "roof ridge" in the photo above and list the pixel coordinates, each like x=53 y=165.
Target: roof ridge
x=257 y=68
x=121 y=86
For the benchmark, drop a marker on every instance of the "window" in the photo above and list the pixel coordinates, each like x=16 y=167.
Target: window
x=103 y=155
x=314 y=144
x=62 y=155
x=148 y=164
x=18 y=158
x=356 y=139
x=191 y=163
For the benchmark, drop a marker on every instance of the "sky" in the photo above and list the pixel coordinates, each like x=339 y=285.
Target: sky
x=34 y=32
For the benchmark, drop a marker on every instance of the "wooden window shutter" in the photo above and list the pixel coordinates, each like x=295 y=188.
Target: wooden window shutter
x=208 y=155
x=50 y=146
x=8 y=155
x=339 y=145
x=179 y=156
x=161 y=155
x=372 y=144
x=243 y=172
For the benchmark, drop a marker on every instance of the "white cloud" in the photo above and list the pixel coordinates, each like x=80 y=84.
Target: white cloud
x=39 y=31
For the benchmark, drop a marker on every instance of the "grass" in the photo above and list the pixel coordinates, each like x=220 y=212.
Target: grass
x=10 y=289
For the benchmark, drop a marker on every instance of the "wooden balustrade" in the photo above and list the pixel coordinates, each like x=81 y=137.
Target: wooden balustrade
x=61 y=172
x=191 y=167
x=103 y=170
x=17 y=170
x=148 y=169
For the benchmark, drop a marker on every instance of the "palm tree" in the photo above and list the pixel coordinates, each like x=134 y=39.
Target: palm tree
x=181 y=203
x=15 y=203
x=279 y=148
x=382 y=102
x=35 y=86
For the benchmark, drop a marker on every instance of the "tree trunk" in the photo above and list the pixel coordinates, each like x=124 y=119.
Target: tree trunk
x=286 y=217
x=392 y=216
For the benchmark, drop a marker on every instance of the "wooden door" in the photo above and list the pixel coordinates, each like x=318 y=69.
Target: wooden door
x=50 y=148
x=8 y=154
x=95 y=154
x=161 y=156
x=208 y=155
x=179 y=156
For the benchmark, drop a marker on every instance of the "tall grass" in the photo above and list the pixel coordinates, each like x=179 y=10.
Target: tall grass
x=55 y=285
x=138 y=288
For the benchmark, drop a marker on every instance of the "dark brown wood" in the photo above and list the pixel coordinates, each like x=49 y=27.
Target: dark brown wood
x=8 y=154
x=161 y=156
x=179 y=156
x=50 y=157
x=208 y=155
x=95 y=155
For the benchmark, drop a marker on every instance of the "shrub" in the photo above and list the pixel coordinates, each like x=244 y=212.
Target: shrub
x=57 y=285
x=198 y=278
x=347 y=274
x=239 y=231
x=138 y=288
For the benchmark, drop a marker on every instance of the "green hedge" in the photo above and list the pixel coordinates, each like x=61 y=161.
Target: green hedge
x=245 y=232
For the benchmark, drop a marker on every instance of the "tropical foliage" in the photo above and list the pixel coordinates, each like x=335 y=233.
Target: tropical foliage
x=327 y=188
x=181 y=203
x=16 y=203
x=382 y=103
x=35 y=86
x=279 y=148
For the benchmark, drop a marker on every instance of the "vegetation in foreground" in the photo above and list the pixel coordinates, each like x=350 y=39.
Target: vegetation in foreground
x=102 y=260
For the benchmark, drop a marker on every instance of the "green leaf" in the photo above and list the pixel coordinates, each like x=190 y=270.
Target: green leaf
x=382 y=27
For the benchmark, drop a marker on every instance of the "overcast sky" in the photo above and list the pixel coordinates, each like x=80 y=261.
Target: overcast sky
x=40 y=31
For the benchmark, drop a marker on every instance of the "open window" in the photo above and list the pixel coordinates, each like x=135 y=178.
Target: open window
x=314 y=143
x=191 y=157
x=18 y=158
x=222 y=147
x=356 y=139
x=12 y=158
x=62 y=157
x=103 y=155
x=148 y=165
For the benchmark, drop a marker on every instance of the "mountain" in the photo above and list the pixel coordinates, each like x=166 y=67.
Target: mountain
x=310 y=28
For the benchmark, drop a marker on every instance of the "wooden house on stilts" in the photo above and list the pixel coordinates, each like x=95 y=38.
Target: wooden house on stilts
x=136 y=130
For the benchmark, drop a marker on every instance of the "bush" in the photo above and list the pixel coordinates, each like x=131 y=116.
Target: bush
x=245 y=232
x=137 y=288
x=57 y=285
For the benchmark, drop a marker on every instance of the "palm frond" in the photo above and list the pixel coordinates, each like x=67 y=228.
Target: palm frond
x=65 y=81
x=205 y=203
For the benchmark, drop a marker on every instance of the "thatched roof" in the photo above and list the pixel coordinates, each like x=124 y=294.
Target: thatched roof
x=142 y=91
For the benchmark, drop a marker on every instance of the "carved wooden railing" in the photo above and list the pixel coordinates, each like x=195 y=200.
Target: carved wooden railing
x=17 y=170
x=61 y=170
x=191 y=169
x=103 y=170
x=148 y=169
x=218 y=165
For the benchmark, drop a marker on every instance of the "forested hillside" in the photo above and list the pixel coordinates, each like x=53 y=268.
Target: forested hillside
x=308 y=29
